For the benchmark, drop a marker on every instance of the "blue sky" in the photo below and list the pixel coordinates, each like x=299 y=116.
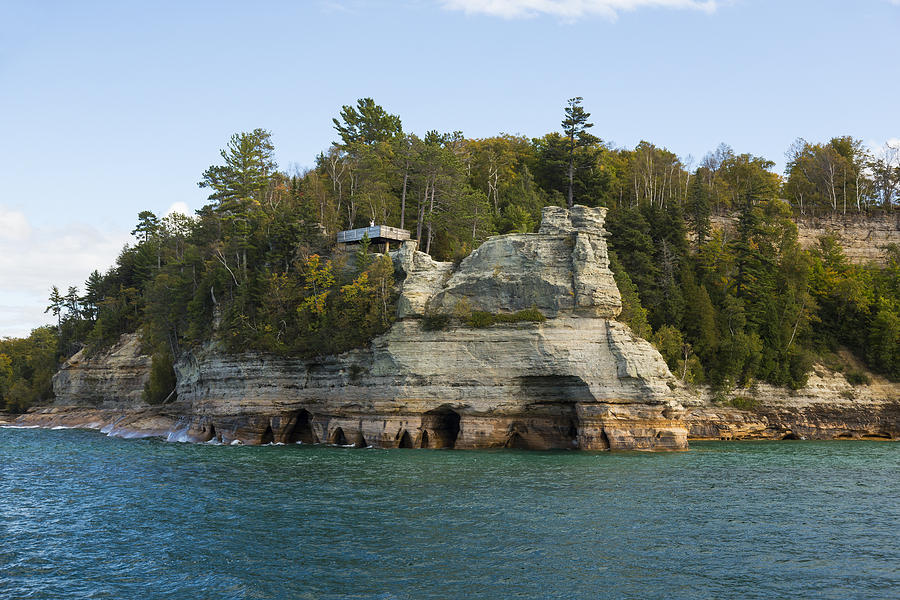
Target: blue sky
x=110 y=108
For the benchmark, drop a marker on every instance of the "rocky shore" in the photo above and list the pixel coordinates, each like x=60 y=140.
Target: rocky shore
x=577 y=380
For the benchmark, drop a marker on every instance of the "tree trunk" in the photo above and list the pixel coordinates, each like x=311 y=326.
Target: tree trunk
x=430 y=217
x=403 y=199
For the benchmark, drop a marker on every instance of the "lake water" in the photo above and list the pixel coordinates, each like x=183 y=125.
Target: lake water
x=86 y=516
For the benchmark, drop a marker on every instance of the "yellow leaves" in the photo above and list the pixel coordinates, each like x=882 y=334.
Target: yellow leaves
x=317 y=276
x=315 y=304
x=360 y=287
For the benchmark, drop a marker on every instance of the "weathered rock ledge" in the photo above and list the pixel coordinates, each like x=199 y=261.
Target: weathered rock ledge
x=827 y=408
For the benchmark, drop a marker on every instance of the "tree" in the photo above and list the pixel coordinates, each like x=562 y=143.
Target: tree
x=698 y=208
x=575 y=127
x=147 y=227
x=886 y=174
x=366 y=124
x=57 y=303
x=249 y=165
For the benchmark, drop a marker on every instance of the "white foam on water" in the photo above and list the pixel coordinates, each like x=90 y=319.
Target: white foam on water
x=64 y=427
x=128 y=434
x=20 y=426
x=179 y=435
x=235 y=443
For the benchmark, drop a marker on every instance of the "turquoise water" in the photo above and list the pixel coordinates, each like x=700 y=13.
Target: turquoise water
x=86 y=516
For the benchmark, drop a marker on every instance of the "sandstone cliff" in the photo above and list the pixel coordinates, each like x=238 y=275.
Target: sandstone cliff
x=577 y=380
x=828 y=407
x=863 y=238
x=112 y=379
x=580 y=379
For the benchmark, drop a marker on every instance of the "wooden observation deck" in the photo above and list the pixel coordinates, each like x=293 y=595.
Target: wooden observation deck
x=377 y=234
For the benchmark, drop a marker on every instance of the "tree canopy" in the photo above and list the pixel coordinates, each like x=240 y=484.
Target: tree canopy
x=257 y=268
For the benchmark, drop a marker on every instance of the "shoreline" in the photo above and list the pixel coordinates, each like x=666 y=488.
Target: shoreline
x=172 y=423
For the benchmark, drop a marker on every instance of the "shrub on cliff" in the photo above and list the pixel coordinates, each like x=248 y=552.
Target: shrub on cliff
x=161 y=385
x=480 y=318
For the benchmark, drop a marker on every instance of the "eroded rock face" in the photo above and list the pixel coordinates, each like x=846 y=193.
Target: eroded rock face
x=560 y=384
x=828 y=407
x=563 y=268
x=863 y=238
x=111 y=379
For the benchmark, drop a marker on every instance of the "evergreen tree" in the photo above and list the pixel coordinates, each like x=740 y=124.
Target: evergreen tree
x=575 y=127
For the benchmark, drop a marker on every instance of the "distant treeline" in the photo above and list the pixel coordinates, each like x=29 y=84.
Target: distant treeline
x=256 y=267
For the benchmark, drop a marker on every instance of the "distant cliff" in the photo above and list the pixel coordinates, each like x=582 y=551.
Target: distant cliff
x=863 y=238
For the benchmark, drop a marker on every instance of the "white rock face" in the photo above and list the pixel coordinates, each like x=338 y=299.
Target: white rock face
x=114 y=378
x=563 y=268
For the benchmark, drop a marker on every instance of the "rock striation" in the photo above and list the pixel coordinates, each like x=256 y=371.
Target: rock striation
x=113 y=379
x=828 y=407
x=863 y=238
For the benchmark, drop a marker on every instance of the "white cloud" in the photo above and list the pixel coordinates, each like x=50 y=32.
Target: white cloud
x=569 y=9
x=13 y=225
x=889 y=148
x=180 y=207
x=37 y=257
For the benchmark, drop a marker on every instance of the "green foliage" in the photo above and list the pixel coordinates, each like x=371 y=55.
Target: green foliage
x=743 y=403
x=633 y=314
x=436 y=321
x=26 y=367
x=480 y=319
x=161 y=385
x=856 y=377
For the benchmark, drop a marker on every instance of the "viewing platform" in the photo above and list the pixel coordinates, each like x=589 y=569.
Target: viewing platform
x=377 y=234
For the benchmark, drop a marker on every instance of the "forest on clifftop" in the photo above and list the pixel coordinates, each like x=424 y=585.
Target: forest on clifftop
x=257 y=268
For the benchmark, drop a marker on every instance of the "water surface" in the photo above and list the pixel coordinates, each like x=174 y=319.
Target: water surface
x=86 y=516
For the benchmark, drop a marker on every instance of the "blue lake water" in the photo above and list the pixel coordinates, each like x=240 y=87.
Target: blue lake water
x=86 y=516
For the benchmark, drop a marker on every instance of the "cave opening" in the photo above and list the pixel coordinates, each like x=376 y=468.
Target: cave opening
x=443 y=423
x=405 y=440
x=338 y=438
x=516 y=442
x=268 y=436
x=361 y=441
x=424 y=443
x=302 y=431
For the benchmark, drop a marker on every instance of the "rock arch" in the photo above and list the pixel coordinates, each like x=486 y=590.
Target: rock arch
x=441 y=426
x=301 y=431
x=337 y=437
x=405 y=440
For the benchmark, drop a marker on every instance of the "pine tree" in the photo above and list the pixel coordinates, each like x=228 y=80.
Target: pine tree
x=575 y=126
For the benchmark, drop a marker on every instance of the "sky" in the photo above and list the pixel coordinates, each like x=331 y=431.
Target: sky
x=111 y=108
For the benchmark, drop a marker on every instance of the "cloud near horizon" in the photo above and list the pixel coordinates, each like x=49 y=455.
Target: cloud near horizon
x=34 y=258
x=570 y=9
